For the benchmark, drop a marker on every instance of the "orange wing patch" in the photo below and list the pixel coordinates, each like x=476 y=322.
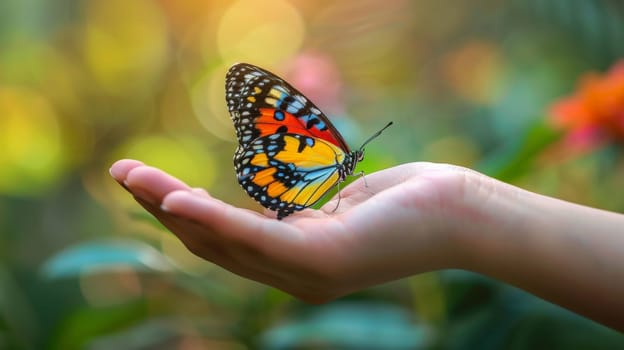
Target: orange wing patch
x=260 y=159
x=275 y=189
x=264 y=177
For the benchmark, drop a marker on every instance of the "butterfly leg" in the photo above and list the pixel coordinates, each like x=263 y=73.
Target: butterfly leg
x=361 y=174
x=337 y=204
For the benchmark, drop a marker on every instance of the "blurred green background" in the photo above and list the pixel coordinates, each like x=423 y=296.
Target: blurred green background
x=83 y=83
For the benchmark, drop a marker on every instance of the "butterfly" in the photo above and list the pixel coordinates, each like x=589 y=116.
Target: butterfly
x=289 y=153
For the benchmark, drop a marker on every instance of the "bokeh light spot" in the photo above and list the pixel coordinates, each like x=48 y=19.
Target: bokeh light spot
x=453 y=150
x=184 y=158
x=260 y=32
x=474 y=71
x=125 y=43
x=208 y=101
x=110 y=288
x=30 y=139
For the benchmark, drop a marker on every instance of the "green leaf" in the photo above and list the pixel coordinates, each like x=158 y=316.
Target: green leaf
x=105 y=255
x=517 y=158
x=17 y=319
x=350 y=326
x=87 y=324
x=153 y=333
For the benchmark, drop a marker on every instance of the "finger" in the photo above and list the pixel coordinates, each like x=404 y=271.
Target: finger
x=192 y=235
x=152 y=184
x=237 y=257
x=222 y=218
x=119 y=170
x=200 y=241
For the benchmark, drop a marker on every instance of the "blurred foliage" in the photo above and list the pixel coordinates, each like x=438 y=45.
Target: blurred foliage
x=83 y=83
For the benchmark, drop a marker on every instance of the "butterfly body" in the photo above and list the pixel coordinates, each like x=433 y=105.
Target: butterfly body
x=289 y=153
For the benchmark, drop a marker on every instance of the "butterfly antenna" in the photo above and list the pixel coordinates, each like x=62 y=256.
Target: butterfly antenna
x=375 y=135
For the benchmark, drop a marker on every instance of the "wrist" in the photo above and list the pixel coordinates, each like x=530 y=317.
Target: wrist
x=560 y=251
x=453 y=210
x=490 y=213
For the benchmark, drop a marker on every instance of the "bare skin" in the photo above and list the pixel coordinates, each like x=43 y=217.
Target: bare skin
x=410 y=219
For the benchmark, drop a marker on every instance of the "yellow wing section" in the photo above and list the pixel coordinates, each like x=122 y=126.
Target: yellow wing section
x=290 y=168
x=312 y=154
x=308 y=193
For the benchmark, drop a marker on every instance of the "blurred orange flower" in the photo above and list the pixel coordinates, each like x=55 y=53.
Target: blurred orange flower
x=594 y=114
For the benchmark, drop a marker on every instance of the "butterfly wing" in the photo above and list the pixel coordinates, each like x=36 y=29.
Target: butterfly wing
x=263 y=104
x=289 y=172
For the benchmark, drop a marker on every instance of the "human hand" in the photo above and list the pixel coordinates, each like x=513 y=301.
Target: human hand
x=411 y=218
x=403 y=222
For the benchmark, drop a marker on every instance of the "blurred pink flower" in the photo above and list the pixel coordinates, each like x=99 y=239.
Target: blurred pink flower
x=317 y=77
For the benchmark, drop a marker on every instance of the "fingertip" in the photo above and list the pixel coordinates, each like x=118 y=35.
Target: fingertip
x=154 y=179
x=120 y=169
x=152 y=184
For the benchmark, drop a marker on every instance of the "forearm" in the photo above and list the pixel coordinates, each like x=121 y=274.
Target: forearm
x=566 y=253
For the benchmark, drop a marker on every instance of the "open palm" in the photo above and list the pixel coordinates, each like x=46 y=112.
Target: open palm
x=391 y=227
